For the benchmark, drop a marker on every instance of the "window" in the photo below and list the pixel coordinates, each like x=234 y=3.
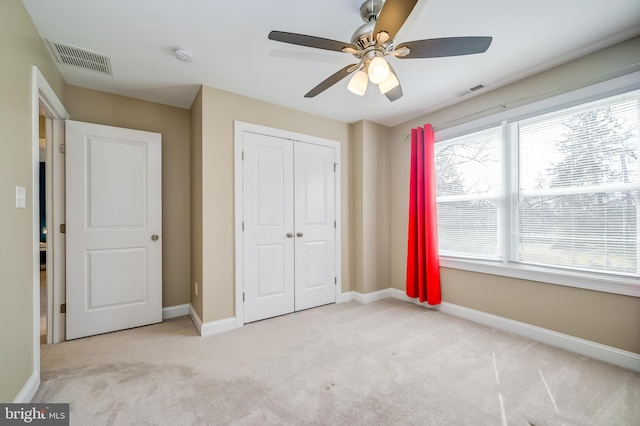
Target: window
x=557 y=191
x=469 y=188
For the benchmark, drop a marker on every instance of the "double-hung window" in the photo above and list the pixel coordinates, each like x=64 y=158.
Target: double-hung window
x=469 y=188
x=556 y=192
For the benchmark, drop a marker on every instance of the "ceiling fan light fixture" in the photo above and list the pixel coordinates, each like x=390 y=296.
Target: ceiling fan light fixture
x=358 y=83
x=378 y=70
x=389 y=83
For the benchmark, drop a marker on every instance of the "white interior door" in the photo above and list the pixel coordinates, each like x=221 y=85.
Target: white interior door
x=315 y=248
x=113 y=228
x=268 y=226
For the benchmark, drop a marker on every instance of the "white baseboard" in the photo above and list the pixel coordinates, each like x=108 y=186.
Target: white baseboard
x=213 y=327
x=347 y=296
x=371 y=297
x=29 y=389
x=401 y=295
x=175 y=311
x=195 y=319
x=220 y=326
x=569 y=343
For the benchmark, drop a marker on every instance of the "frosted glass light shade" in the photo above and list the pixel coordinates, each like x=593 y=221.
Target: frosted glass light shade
x=358 y=83
x=378 y=70
x=389 y=83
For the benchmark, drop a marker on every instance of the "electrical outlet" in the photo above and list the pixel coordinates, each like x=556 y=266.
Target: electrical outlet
x=195 y=285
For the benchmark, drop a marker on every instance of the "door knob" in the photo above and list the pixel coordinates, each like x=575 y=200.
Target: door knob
x=300 y=234
x=154 y=237
x=289 y=234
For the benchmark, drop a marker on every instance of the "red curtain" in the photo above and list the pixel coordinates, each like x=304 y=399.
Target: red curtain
x=423 y=268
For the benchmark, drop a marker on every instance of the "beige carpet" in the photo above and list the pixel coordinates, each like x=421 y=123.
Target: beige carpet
x=386 y=363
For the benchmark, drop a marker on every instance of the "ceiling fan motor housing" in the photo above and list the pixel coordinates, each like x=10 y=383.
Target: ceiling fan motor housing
x=370 y=9
x=363 y=36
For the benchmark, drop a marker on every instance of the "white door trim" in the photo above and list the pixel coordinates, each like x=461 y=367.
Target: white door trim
x=42 y=95
x=239 y=128
x=49 y=217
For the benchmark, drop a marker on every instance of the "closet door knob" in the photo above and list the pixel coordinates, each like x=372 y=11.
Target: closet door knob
x=289 y=234
x=300 y=234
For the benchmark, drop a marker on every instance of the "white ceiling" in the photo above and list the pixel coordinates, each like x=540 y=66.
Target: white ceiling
x=232 y=52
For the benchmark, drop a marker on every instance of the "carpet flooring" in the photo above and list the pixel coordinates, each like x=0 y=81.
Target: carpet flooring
x=384 y=363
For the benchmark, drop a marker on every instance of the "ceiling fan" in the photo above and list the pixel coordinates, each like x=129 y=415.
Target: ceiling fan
x=374 y=40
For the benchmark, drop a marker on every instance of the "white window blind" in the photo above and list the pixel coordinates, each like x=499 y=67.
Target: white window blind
x=469 y=189
x=579 y=180
x=566 y=198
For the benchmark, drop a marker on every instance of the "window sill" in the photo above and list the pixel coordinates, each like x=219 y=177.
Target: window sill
x=627 y=286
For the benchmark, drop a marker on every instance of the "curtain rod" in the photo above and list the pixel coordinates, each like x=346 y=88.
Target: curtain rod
x=508 y=105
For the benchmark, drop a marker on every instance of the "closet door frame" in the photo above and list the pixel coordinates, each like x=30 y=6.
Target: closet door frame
x=240 y=128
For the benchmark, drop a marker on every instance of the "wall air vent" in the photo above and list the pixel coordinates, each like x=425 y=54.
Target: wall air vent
x=79 y=57
x=470 y=90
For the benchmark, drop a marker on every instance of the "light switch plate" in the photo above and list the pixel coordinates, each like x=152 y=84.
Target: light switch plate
x=21 y=197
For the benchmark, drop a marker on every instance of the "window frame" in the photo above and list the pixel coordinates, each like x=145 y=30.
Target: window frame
x=603 y=282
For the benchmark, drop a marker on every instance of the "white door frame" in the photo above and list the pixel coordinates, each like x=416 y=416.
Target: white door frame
x=239 y=128
x=42 y=97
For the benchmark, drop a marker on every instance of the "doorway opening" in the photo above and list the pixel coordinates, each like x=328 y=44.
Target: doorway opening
x=48 y=211
x=43 y=195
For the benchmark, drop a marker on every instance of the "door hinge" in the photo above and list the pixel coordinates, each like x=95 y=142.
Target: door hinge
x=243 y=226
x=63 y=308
x=335 y=280
x=242 y=155
x=63 y=228
x=243 y=296
x=335 y=224
x=334 y=166
x=61 y=148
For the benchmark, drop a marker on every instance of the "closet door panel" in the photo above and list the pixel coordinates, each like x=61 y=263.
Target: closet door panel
x=315 y=227
x=268 y=226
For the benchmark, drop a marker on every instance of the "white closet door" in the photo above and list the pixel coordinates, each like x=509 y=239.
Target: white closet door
x=315 y=249
x=268 y=226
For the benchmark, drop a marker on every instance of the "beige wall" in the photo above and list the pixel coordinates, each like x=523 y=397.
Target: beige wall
x=22 y=48
x=173 y=123
x=356 y=137
x=600 y=317
x=196 y=202
x=370 y=171
x=219 y=110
